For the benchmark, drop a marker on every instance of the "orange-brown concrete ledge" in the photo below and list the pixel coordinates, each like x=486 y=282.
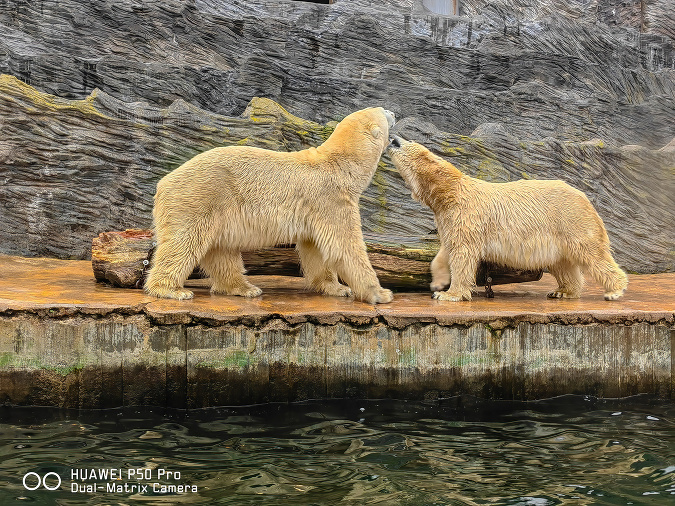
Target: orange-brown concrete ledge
x=68 y=341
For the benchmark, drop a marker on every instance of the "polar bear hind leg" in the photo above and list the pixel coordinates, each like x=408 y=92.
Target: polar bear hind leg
x=570 y=280
x=608 y=274
x=596 y=261
x=318 y=275
x=226 y=270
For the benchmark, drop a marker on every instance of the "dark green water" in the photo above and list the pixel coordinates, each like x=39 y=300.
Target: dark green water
x=568 y=450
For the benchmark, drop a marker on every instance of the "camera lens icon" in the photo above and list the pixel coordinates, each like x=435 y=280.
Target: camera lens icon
x=31 y=478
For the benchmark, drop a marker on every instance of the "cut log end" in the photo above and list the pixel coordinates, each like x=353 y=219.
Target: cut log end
x=117 y=257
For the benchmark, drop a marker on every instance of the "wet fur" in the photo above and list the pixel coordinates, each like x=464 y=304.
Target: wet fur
x=526 y=224
x=232 y=199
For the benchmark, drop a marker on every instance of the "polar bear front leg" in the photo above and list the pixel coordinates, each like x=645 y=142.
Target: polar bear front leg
x=346 y=250
x=463 y=264
x=171 y=265
x=440 y=270
x=318 y=275
x=226 y=270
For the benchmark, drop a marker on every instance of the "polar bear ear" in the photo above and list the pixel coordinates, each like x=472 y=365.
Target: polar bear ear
x=376 y=132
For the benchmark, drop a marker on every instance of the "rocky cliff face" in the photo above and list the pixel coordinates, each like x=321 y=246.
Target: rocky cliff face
x=568 y=69
x=122 y=92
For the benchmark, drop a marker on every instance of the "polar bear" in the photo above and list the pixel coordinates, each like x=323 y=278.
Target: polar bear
x=527 y=224
x=230 y=199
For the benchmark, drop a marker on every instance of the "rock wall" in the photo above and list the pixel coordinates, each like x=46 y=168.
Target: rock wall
x=122 y=92
x=569 y=69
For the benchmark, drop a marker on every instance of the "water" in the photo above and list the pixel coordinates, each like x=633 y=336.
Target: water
x=568 y=450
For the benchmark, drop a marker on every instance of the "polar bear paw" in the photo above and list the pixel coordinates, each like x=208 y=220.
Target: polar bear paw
x=183 y=294
x=252 y=291
x=437 y=286
x=249 y=291
x=452 y=296
x=379 y=295
x=336 y=290
x=562 y=294
x=169 y=293
x=614 y=295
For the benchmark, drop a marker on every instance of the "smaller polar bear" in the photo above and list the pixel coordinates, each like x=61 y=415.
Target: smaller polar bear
x=527 y=224
x=231 y=199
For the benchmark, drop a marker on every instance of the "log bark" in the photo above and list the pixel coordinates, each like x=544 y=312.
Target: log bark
x=122 y=258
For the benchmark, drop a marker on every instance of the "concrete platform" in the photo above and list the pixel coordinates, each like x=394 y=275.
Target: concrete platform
x=68 y=341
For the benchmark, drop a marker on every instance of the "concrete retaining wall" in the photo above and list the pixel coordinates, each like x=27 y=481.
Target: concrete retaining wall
x=113 y=360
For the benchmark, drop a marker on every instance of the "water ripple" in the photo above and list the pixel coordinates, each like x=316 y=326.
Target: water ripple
x=569 y=450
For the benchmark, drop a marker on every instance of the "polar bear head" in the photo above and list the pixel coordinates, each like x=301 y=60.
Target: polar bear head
x=363 y=134
x=412 y=161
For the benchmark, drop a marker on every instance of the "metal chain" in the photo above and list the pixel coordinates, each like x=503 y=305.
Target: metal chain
x=488 y=288
x=146 y=267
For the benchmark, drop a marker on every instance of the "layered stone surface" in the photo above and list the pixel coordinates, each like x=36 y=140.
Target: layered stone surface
x=99 y=100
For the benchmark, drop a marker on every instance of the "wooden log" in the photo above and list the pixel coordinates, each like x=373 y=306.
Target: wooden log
x=121 y=259
x=118 y=258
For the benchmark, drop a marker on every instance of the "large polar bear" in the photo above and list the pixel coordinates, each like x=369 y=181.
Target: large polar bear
x=237 y=198
x=527 y=224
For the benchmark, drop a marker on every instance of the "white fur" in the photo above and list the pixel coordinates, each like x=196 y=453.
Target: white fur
x=527 y=224
x=232 y=199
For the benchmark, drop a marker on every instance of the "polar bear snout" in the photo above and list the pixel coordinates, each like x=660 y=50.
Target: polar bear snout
x=391 y=118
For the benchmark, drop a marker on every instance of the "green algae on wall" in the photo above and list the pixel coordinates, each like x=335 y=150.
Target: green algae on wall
x=24 y=93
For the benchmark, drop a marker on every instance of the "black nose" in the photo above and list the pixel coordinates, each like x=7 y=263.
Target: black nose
x=396 y=142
